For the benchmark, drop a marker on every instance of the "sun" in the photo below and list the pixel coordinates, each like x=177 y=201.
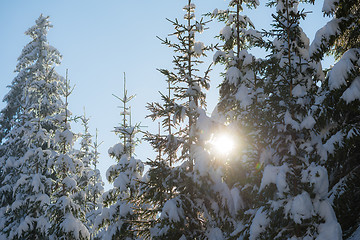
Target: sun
x=222 y=143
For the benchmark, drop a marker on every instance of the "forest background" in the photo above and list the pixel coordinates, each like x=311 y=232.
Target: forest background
x=100 y=40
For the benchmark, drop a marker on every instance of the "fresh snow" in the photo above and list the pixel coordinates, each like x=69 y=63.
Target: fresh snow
x=25 y=225
x=125 y=175
x=299 y=91
x=70 y=183
x=243 y=96
x=355 y=235
x=330 y=229
x=334 y=139
x=317 y=176
x=121 y=181
x=289 y=121
x=226 y=32
x=238 y=201
x=172 y=211
x=308 y=122
x=215 y=234
x=324 y=34
x=198 y=48
x=353 y=92
x=253 y=33
x=232 y=75
x=301 y=208
x=64 y=136
x=258 y=224
x=342 y=69
x=277 y=176
x=218 y=54
x=36 y=183
x=125 y=209
x=117 y=150
x=329 y=6
x=75 y=226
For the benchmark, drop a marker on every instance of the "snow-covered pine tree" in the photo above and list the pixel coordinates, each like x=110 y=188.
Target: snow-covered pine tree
x=31 y=172
x=154 y=187
x=338 y=141
x=348 y=15
x=241 y=93
x=341 y=33
x=36 y=57
x=35 y=54
x=95 y=190
x=31 y=112
x=165 y=145
x=183 y=189
x=117 y=220
x=294 y=186
x=85 y=155
x=241 y=81
x=67 y=218
x=241 y=108
x=90 y=182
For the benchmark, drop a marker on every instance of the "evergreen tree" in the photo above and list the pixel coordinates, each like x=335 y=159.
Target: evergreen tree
x=29 y=120
x=90 y=182
x=241 y=92
x=37 y=56
x=347 y=13
x=294 y=186
x=26 y=215
x=339 y=109
x=241 y=86
x=154 y=188
x=66 y=216
x=118 y=216
x=241 y=109
x=183 y=192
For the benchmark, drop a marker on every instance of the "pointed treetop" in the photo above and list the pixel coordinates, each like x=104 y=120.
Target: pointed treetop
x=125 y=99
x=41 y=28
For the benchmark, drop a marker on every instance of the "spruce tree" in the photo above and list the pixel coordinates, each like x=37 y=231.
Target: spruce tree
x=242 y=91
x=31 y=173
x=28 y=123
x=89 y=182
x=35 y=56
x=347 y=13
x=294 y=186
x=118 y=216
x=67 y=218
x=154 y=187
x=184 y=193
x=339 y=111
x=241 y=109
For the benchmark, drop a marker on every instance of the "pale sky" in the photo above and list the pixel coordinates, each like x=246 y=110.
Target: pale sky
x=99 y=40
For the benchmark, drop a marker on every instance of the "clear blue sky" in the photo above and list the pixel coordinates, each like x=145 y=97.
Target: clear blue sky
x=99 y=40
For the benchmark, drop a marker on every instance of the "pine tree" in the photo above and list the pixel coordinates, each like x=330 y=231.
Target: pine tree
x=118 y=216
x=347 y=12
x=154 y=188
x=242 y=91
x=339 y=111
x=241 y=109
x=26 y=216
x=90 y=182
x=35 y=56
x=184 y=193
x=66 y=216
x=29 y=121
x=294 y=187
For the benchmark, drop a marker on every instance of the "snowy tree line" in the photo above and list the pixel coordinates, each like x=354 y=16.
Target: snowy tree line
x=295 y=176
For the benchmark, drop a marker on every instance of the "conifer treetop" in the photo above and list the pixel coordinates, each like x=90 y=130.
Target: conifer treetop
x=38 y=51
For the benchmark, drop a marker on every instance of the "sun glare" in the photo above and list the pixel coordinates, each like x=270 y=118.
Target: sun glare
x=223 y=143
